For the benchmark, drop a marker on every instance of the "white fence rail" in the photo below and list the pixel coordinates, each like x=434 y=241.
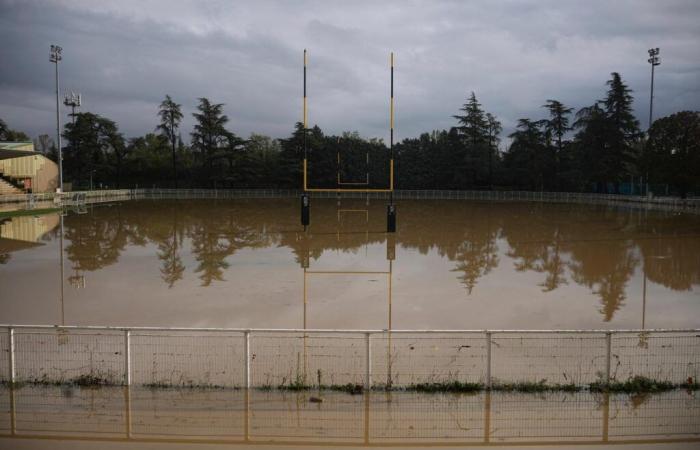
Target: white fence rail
x=370 y=358
x=558 y=197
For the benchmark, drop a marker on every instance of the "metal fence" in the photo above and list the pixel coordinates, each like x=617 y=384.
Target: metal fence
x=370 y=358
x=374 y=418
x=673 y=203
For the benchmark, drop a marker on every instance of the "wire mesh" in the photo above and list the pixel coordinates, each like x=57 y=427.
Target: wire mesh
x=167 y=358
x=673 y=357
x=521 y=417
x=5 y=352
x=402 y=359
x=290 y=416
x=552 y=358
x=645 y=416
x=312 y=358
x=299 y=359
x=53 y=355
x=188 y=413
x=50 y=410
x=419 y=417
x=227 y=415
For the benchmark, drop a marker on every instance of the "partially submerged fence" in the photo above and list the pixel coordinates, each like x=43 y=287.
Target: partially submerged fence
x=554 y=197
x=300 y=359
x=375 y=418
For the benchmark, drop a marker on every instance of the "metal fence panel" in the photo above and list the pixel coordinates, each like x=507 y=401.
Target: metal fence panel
x=401 y=359
x=53 y=355
x=426 y=418
x=187 y=358
x=299 y=359
x=548 y=357
x=291 y=417
x=673 y=357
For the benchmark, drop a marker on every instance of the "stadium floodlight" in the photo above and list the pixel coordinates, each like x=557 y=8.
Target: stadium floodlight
x=654 y=60
x=73 y=100
x=55 y=57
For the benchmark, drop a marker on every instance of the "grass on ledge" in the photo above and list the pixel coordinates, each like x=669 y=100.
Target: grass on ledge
x=634 y=385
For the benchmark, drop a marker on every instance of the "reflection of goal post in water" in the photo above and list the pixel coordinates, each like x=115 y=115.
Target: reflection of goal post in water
x=354 y=186
x=388 y=273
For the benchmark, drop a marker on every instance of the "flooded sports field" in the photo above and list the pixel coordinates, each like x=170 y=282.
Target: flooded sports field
x=245 y=263
x=197 y=274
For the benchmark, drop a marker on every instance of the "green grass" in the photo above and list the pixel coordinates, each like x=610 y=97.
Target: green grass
x=637 y=384
x=634 y=385
x=540 y=386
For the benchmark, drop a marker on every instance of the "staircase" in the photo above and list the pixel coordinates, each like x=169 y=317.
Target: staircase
x=8 y=189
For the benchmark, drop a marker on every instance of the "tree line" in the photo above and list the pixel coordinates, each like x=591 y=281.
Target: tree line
x=598 y=148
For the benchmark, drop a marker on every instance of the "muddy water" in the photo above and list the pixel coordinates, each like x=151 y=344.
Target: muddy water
x=191 y=416
x=451 y=265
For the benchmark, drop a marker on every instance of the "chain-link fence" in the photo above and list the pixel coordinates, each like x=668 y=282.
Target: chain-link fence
x=377 y=418
x=301 y=359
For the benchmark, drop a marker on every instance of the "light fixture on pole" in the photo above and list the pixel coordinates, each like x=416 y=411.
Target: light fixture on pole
x=654 y=61
x=73 y=100
x=55 y=57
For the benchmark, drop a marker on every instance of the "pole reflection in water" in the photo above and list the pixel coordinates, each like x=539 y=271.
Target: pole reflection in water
x=305 y=240
x=402 y=418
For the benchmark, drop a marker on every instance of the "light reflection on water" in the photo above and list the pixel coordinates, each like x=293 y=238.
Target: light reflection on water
x=451 y=265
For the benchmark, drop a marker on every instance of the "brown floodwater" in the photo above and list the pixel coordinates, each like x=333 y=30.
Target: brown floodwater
x=451 y=265
x=119 y=417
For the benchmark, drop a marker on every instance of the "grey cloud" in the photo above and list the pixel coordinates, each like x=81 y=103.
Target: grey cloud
x=125 y=56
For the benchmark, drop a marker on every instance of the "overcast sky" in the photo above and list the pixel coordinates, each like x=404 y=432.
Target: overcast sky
x=124 y=56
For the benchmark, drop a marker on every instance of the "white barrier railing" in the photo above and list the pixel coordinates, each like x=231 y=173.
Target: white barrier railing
x=268 y=358
x=558 y=197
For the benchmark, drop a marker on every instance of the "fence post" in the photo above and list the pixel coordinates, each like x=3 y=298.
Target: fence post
x=12 y=355
x=246 y=343
x=488 y=360
x=368 y=362
x=608 y=345
x=127 y=356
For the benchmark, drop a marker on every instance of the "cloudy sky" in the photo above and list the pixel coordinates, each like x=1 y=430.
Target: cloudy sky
x=124 y=56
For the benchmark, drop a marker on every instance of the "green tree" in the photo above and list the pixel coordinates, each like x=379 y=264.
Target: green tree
x=473 y=128
x=527 y=157
x=556 y=127
x=494 y=129
x=673 y=151
x=209 y=134
x=93 y=139
x=8 y=134
x=170 y=116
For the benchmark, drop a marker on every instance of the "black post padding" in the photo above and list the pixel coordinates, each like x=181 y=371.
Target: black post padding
x=305 y=209
x=391 y=218
x=390 y=248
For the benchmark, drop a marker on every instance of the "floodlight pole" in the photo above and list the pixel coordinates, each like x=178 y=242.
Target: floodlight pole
x=654 y=61
x=55 y=57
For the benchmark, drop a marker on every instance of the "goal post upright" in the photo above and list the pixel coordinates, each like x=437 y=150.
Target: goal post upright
x=391 y=209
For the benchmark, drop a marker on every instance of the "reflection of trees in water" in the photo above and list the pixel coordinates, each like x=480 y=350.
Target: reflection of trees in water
x=670 y=251
x=464 y=233
x=593 y=246
x=533 y=234
x=590 y=241
x=97 y=240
